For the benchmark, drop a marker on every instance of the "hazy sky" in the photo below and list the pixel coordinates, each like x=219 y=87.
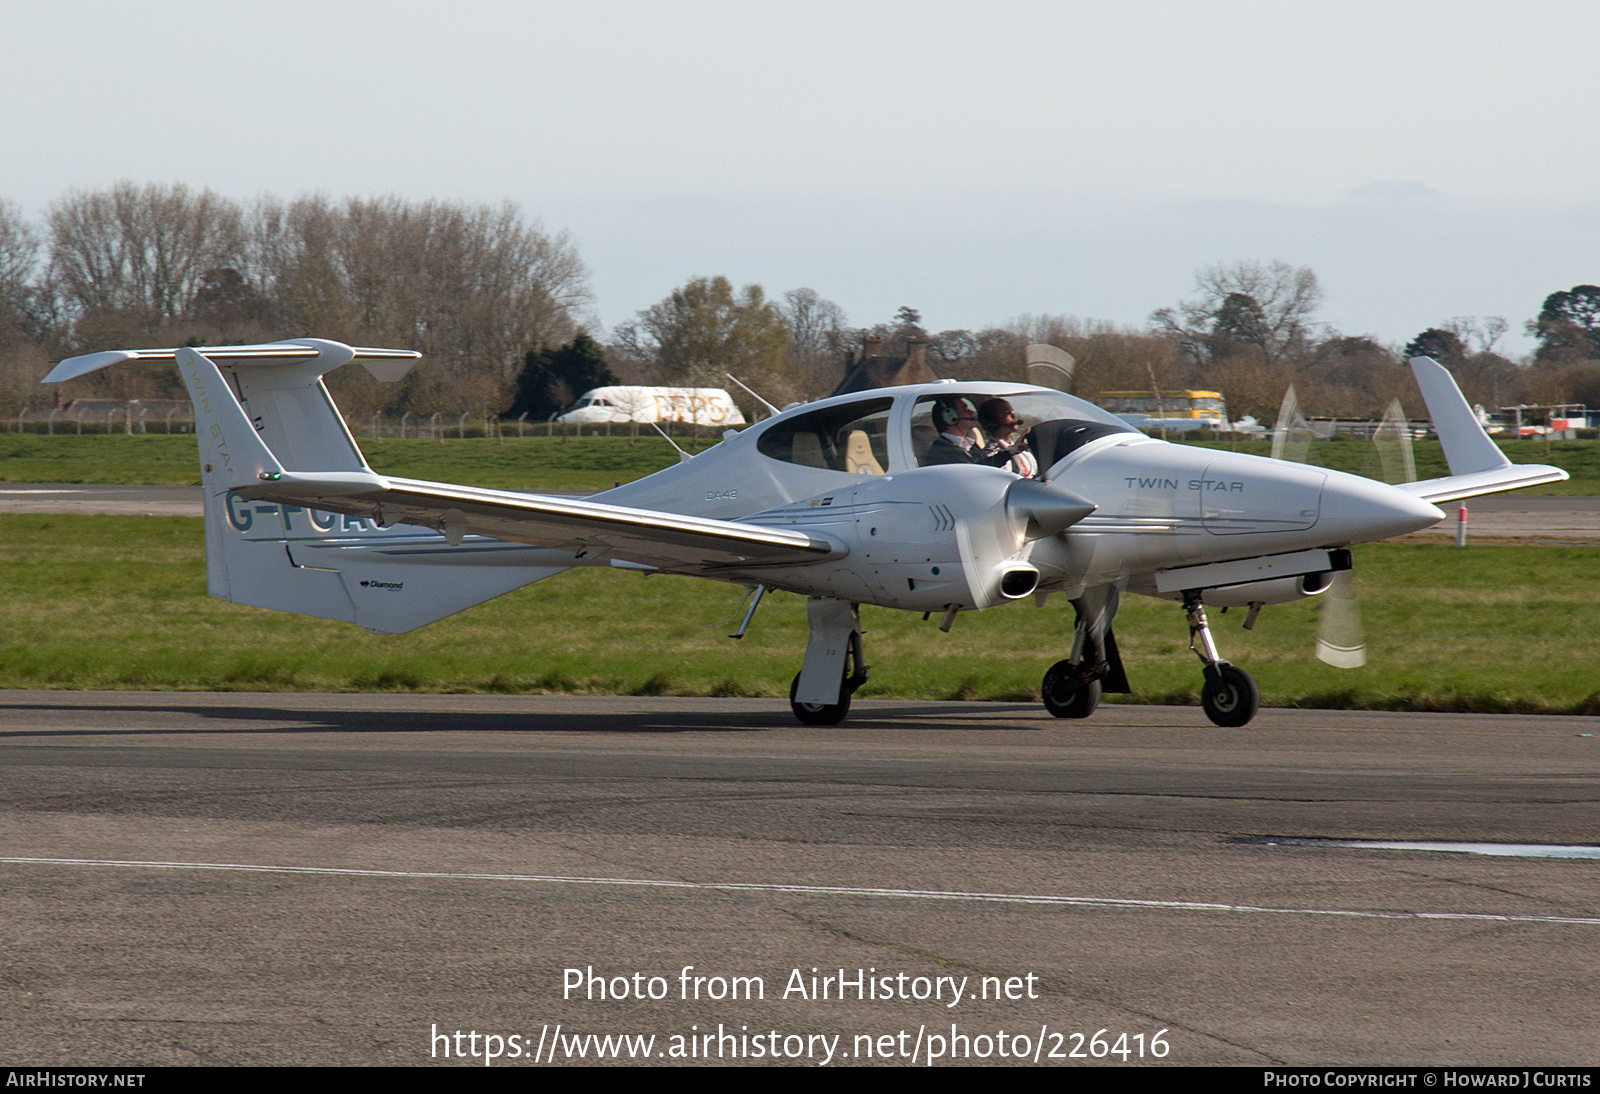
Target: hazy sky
x=976 y=161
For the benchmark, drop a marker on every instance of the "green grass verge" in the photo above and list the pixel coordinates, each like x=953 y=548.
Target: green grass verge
x=527 y=463
x=546 y=463
x=119 y=602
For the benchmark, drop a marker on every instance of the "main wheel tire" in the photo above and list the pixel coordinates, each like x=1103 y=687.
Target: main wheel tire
x=1063 y=698
x=819 y=714
x=1230 y=697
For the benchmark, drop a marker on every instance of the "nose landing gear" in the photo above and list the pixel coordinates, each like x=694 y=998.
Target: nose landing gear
x=1230 y=697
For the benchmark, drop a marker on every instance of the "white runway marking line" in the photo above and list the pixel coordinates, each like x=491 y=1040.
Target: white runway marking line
x=809 y=890
x=1499 y=850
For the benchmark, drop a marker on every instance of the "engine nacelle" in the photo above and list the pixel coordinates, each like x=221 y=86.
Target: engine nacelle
x=909 y=548
x=1278 y=591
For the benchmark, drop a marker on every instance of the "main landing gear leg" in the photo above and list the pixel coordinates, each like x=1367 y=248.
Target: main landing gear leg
x=833 y=668
x=1072 y=688
x=1230 y=696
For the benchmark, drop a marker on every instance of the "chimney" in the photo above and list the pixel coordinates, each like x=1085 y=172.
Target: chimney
x=871 y=347
x=916 y=354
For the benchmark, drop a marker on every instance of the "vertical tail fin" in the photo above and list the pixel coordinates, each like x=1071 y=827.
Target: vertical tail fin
x=263 y=410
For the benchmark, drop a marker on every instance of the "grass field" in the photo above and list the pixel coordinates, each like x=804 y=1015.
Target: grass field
x=543 y=463
x=119 y=602
x=527 y=463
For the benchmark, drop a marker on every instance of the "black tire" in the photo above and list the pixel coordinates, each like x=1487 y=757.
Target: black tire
x=1230 y=697
x=820 y=714
x=1064 y=699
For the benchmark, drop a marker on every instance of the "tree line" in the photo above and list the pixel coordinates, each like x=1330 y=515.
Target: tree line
x=499 y=307
x=1249 y=331
x=473 y=287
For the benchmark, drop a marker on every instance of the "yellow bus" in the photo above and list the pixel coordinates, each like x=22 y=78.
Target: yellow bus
x=1172 y=409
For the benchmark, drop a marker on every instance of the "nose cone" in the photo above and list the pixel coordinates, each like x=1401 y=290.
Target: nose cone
x=1357 y=510
x=1046 y=510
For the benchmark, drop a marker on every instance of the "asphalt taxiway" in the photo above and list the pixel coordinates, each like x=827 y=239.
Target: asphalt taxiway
x=1571 y=520
x=256 y=878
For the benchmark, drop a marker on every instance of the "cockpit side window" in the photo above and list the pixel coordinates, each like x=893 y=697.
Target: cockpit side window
x=852 y=438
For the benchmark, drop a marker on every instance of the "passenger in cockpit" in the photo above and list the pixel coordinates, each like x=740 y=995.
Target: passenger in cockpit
x=955 y=419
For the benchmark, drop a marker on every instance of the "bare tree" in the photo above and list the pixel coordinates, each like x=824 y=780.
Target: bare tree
x=819 y=342
x=141 y=250
x=704 y=329
x=1482 y=334
x=19 y=252
x=474 y=287
x=1245 y=306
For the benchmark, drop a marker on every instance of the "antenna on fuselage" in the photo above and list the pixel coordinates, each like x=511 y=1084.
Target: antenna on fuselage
x=682 y=455
x=752 y=393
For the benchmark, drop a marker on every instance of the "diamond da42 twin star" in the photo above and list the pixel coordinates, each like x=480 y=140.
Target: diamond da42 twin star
x=869 y=498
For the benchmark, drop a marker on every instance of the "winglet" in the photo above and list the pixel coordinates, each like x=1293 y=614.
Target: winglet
x=230 y=448
x=73 y=367
x=1467 y=448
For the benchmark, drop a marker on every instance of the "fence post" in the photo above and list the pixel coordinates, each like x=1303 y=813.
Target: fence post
x=403 y=418
x=520 y=422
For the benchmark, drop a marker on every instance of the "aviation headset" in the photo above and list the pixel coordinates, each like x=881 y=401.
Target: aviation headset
x=947 y=412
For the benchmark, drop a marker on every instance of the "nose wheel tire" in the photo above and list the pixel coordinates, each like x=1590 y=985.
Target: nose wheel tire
x=820 y=714
x=1230 y=696
x=1065 y=695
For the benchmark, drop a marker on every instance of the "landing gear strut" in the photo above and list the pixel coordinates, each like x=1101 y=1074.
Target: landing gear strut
x=1230 y=696
x=833 y=668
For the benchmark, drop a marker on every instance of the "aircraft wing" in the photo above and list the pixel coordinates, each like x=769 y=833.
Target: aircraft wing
x=230 y=443
x=1477 y=466
x=666 y=541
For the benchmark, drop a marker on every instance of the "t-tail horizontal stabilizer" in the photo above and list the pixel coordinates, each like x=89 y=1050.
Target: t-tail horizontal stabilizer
x=1477 y=466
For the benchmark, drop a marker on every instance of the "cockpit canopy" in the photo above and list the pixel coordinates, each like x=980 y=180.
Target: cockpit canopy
x=862 y=437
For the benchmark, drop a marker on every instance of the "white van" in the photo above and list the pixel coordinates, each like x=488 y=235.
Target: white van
x=708 y=406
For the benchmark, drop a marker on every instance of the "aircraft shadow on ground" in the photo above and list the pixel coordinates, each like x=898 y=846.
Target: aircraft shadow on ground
x=235 y=720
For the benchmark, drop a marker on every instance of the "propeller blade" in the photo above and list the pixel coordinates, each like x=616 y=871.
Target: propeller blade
x=1050 y=366
x=1392 y=439
x=1291 y=436
x=1340 y=641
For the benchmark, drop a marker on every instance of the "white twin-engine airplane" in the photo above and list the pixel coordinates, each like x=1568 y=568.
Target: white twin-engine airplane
x=869 y=498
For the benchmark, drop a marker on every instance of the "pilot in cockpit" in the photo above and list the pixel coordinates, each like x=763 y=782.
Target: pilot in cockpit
x=1001 y=424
